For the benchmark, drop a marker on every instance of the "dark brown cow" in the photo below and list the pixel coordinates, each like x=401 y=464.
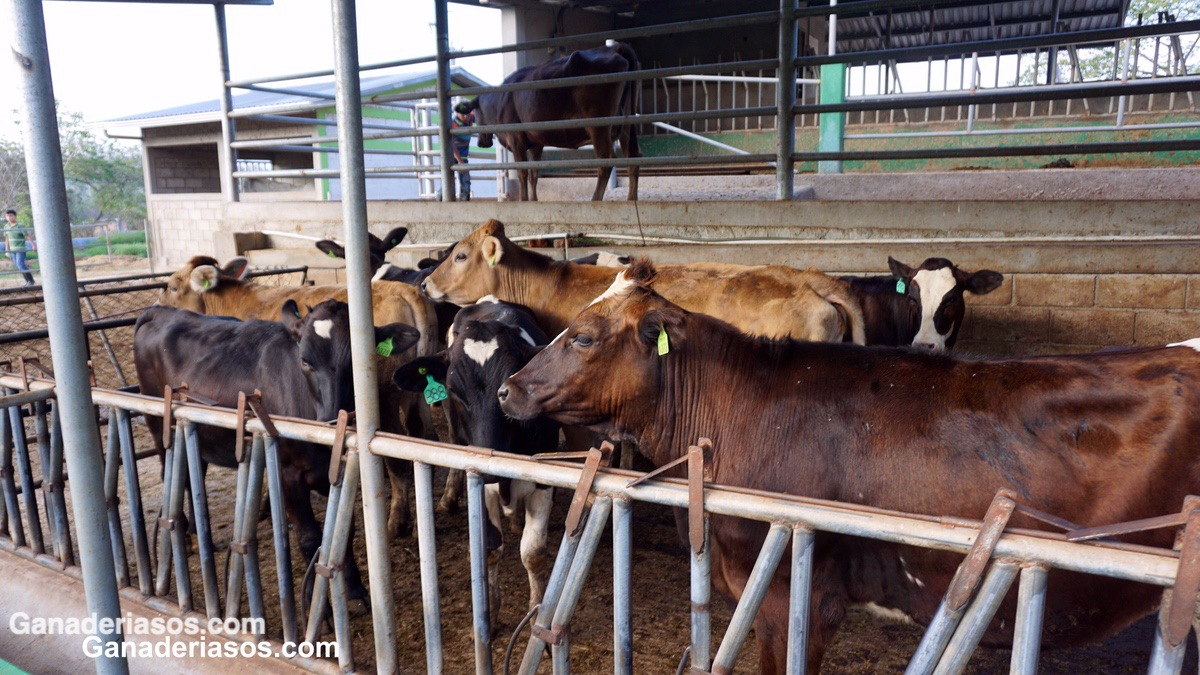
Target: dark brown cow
x=1095 y=439
x=566 y=103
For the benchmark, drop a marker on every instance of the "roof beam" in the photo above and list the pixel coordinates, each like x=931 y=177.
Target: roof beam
x=844 y=36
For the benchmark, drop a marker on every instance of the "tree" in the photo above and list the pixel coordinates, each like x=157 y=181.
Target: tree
x=1100 y=63
x=104 y=179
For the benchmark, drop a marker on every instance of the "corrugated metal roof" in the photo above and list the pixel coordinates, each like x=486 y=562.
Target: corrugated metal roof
x=968 y=22
x=196 y=112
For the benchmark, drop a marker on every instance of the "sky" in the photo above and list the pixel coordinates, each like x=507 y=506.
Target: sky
x=114 y=59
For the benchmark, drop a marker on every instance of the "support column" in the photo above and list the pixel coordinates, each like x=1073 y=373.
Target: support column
x=785 y=100
x=81 y=437
x=228 y=159
x=362 y=329
x=442 y=22
x=833 y=90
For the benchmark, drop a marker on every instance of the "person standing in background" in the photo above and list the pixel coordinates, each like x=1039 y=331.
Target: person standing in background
x=463 y=117
x=15 y=244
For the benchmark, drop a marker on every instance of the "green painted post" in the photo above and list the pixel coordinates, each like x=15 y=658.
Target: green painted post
x=833 y=125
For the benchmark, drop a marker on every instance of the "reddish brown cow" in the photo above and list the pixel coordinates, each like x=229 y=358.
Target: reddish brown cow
x=1095 y=439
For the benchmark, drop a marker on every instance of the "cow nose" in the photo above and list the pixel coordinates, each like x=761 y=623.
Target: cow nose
x=926 y=345
x=424 y=289
x=502 y=393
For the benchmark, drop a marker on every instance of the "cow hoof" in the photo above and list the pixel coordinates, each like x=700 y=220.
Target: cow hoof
x=398 y=530
x=447 y=507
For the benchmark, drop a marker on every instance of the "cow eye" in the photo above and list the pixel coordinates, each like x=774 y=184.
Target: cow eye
x=581 y=340
x=306 y=366
x=461 y=257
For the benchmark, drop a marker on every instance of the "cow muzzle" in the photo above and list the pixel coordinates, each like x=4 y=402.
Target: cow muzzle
x=516 y=402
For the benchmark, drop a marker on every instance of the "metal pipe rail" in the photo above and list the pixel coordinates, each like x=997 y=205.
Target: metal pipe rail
x=117 y=290
x=1005 y=151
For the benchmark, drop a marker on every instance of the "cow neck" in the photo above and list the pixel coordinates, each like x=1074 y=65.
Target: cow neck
x=555 y=291
x=231 y=301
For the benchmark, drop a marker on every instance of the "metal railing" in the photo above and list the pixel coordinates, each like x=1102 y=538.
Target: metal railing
x=692 y=98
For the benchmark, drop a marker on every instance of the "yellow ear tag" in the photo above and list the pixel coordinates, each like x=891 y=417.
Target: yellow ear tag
x=494 y=259
x=205 y=283
x=384 y=348
x=664 y=345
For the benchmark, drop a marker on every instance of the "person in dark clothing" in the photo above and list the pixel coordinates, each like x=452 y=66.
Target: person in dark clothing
x=16 y=244
x=462 y=146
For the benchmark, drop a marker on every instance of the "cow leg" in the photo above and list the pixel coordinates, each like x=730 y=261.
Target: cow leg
x=494 y=541
x=535 y=155
x=455 y=482
x=297 y=503
x=400 y=473
x=603 y=147
x=771 y=627
x=534 y=555
x=629 y=147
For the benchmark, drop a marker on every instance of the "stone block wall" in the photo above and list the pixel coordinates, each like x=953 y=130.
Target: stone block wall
x=189 y=169
x=183 y=226
x=1063 y=313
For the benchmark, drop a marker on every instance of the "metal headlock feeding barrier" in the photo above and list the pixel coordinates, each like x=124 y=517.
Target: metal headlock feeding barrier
x=996 y=555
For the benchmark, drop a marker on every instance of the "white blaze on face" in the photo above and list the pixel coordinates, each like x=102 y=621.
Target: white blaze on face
x=480 y=352
x=619 y=286
x=381 y=272
x=1194 y=343
x=431 y=290
x=488 y=298
x=934 y=285
x=323 y=327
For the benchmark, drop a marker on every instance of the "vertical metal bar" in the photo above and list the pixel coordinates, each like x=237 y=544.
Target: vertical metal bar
x=16 y=531
x=319 y=602
x=1031 y=607
x=933 y=643
x=752 y=597
x=112 y=459
x=339 y=551
x=971 y=110
x=442 y=24
x=33 y=522
x=554 y=587
x=975 y=622
x=162 y=576
x=362 y=328
x=622 y=584
x=177 y=534
x=283 y=551
x=476 y=522
x=577 y=577
x=57 y=506
x=234 y=569
x=133 y=493
x=41 y=431
x=427 y=551
x=48 y=194
x=208 y=565
x=785 y=102
x=801 y=593
x=1122 y=101
x=701 y=594
x=112 y=355
x=249 y=534
x=229 y=185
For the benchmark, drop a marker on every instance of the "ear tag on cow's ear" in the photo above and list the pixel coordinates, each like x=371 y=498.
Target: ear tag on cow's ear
x=331 y=254
x=901 y=287
x=494 y=259
x=434 y=391
x=664 y=344
x=205 y=283
x=384 y=348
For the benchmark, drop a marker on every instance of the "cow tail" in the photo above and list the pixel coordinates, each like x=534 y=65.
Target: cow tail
x=852 y=313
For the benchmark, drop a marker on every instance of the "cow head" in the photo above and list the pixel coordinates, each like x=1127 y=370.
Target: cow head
x=377 y=248
x=470 y=271
x=187 y=286
x=937 y=287
x=482 y=355
x=323 y=345
x=605 y=371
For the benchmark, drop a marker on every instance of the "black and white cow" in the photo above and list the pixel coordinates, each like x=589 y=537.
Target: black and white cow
x=488 y=342
x=922 y=307
x=302 y=367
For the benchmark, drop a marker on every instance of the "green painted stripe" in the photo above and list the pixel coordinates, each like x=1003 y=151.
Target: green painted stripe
x=7 y=668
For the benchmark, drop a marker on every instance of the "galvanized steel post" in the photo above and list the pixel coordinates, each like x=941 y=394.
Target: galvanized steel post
x=81 y=438
x=229 y=186
x=975 y=622
x=752 y=597
x=1031 y=608
x=785 y=100
x=801 y=598
x=362 y=329
x=833 y=90
x=701 y=595
x=477 y=524
x=427 y=553
x=442 y=23
x=622 y=585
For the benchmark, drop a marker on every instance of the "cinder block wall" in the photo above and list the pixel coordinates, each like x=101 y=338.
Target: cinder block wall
x=1064 y=313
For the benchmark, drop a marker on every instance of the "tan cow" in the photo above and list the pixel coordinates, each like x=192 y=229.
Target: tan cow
x=203 y=287
x=771 y=301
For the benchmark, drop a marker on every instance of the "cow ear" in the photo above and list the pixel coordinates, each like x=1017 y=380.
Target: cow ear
x=984 y=282
x=426 y=263
x=492 y=251
x=409 y=377
x=204 y=278
x=289 y=316
x=899 y=269
x=393 y=238
x=659 y=322
x=236 y=268
x=331 y=248
x=403 y=337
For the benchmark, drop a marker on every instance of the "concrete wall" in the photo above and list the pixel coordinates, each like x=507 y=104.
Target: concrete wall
x=186 y=169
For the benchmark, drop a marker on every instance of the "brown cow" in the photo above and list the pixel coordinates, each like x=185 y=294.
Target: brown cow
x=203 y=287
x=1094 y=438
x=771 y=301
x=566 y=103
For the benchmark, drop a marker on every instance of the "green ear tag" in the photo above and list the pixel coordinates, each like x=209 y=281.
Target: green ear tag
x=901 y=287
x=494 y=259
x=434 y=391
x=331 y=254
x=664 y=345
x=205 y=284
x=384 y=348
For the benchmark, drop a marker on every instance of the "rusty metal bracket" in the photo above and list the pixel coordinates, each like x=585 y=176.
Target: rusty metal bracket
x=657 y=472
x=595 y=457
x=550 y=636
x=969 y=573
x=167 y=524
x=255 y=403
x=240 y=547
x=327 y=571
x=699 y=470
x=239 y=437
x=168 y=396
x=337 y=450
x=1181 y=608
x=1047 y=518
x=91 y=374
